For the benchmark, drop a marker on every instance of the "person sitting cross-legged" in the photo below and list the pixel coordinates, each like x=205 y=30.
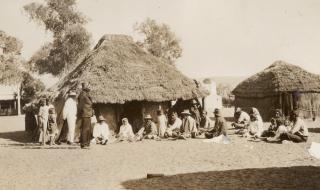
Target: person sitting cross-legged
x=219 y=128
x=148 y=130
x=125 y=132
x=188 y=127
x=100 y=132
x=173 y=125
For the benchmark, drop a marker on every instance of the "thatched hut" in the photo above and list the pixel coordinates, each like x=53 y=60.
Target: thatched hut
x=280 y=86
x=126 y=81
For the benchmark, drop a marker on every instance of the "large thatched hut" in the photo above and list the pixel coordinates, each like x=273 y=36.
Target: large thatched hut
x=126 y=81
x=280 y=86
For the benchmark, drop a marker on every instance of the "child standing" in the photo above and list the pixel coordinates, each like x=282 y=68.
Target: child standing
x=52 y=125
x=43 y=121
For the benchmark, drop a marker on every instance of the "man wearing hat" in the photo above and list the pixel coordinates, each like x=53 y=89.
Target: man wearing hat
x=242 y=119
x=85 y=112
x=69 y=113
x=219 y=128
x=148 y=130
x=100 y=131
x=189 y=126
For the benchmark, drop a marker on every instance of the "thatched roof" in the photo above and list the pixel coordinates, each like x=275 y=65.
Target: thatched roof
x=278 y=77
x=118 y=70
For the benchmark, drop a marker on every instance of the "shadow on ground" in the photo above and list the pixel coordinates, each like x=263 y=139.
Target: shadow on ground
x=314 y=130
x=299 y=177
x=17 y=136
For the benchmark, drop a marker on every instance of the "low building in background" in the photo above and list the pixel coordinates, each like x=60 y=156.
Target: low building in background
x=9 y=100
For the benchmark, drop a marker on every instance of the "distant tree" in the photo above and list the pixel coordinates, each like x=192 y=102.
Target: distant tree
x=159 y=40
x=70 y=39
x=10 y=59
x=30 y=87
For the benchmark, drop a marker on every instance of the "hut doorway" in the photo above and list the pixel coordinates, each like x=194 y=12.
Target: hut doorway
x=133 y=111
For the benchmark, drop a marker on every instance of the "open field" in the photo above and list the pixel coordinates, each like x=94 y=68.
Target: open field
x=190 y=164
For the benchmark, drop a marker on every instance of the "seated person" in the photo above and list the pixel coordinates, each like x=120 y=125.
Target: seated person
x=188 y=127
x=205 y=122
x=100 y=131
x=125 y=132
x=242 y=119
x=173 y=125
x=281 y=129
x=148 y=130
x=219 y=128
x=255 y=127
x=299 y=131
x=271 y=131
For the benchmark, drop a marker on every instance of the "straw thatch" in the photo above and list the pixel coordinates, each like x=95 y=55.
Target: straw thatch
x=278 y=77
x=119 y=71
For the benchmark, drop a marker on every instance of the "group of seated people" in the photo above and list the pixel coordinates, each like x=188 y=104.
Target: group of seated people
x=169 y=125
x=282 y=129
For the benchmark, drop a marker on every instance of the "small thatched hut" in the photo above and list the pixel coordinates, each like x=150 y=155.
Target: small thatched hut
x=126 y=81
x=280 y=86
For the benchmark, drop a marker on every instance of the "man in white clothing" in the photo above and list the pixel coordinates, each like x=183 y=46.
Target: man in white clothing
x=70 y=114
x=100 y=131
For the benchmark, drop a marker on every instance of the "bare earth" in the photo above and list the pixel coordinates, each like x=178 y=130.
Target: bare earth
x=190 y=164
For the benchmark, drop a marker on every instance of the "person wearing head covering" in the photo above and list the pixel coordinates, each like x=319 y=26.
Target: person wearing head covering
x=255 y=128
x=174 y=125
x=299 y=131
x=43 y=121
x=276 y=121
x=195 y=112
x=125 y=132
x=148 y=130
x=161 y=123
x=69 y=113
x=84 y=113
x=242 y=119
x=100 y=132
x=188 y=127
x=220 y=127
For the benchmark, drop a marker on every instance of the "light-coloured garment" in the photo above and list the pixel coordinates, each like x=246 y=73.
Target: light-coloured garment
x=162 y=125
x=244 y=117
x=300 y=127
x=256 y=127
x=125 y=132
x=43 y=122
x=69 y=113
x=188 y=125
x=176 y=125
x=101 y=131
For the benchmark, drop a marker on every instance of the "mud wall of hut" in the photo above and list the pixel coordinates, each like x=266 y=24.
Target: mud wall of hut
x=309 y=104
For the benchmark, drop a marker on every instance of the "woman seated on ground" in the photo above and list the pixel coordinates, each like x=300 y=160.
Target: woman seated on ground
x=100 y=132
x=299 y=131
x=125 y=132
x=242 y=119
x=255 y=127
x=283 y=127
x=173 y=125
x=148 y=130
x=276 y=121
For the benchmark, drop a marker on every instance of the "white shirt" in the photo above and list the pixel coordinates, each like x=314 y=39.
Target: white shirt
x=70 y=108
x=126 y=131
x=176 y=125
x=244 y=117
x=101 y=130
x=300 y=127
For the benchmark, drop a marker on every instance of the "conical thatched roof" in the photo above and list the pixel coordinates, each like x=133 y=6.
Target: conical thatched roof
x=278 y=77
x=118 y=70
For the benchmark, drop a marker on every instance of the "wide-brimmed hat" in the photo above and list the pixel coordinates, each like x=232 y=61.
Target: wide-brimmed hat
x=217 y=112
x=72 y=93
x=148 y=116
x=101 y=118
x=185 y=112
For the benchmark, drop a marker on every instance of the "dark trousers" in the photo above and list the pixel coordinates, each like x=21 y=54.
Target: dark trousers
x=293 y=137
x=85 y=137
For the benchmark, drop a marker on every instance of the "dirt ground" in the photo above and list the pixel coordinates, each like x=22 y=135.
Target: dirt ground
x=186 y=164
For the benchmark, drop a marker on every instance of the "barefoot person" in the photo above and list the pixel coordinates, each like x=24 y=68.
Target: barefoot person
x=125 y=132
x=148 y=130
x=189 y=127
x=52 y=126
x=43 y=121
x=174 y=125
x=85 y=112
x=69 y=113
x=161 y=123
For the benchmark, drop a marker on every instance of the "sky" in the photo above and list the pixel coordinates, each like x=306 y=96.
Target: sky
x=218 y=37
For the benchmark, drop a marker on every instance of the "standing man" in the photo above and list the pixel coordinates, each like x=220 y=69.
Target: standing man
x=70 y=114
x=85 y=112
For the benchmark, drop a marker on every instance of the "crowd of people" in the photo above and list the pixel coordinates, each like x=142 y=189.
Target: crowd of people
x=189 y=123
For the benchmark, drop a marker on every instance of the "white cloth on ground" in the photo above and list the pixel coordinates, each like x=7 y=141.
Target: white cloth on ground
x=314 y=150
x=221 y=139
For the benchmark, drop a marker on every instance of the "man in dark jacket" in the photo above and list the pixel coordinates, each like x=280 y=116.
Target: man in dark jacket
x=219 y=128
x=85 y=112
